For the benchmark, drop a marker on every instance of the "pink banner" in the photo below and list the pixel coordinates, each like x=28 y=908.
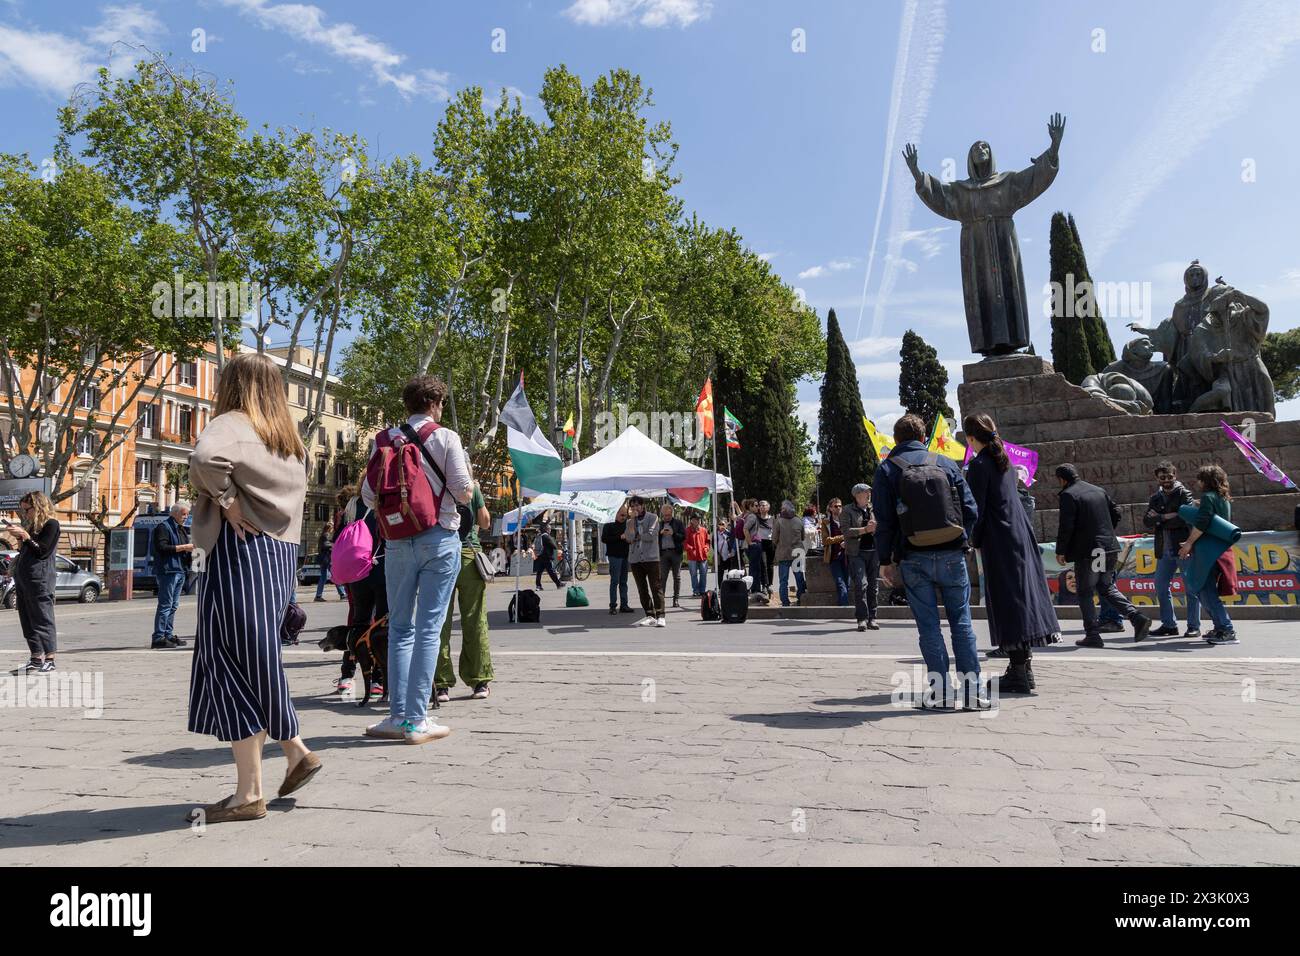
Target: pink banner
x=1023 y=460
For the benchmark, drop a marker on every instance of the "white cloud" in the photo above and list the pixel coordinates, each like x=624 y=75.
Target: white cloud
x=926 y=240
x=835 y=265
x=1292 y=276
x=345 y=41
x=1216 y=85
x=647 y=13
x=874 y=347
x=56 y=62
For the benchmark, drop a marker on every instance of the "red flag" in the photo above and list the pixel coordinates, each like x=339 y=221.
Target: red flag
x=704 y=408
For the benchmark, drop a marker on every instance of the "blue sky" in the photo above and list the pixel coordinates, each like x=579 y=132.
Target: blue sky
x=1181 y=139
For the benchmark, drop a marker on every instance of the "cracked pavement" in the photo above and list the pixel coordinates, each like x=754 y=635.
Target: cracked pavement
x=775 y=742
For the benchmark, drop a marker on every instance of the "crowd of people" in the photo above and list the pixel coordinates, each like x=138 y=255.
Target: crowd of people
x=913 y=529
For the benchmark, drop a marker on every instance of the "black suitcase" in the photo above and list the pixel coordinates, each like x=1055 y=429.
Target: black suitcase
x=529 y=610
x=733 y=597
x=709 y=610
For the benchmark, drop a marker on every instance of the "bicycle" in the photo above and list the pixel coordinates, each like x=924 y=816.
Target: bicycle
x=568 y=573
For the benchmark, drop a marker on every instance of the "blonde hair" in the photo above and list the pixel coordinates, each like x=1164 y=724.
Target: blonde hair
x=251 y=383
x=42 y=511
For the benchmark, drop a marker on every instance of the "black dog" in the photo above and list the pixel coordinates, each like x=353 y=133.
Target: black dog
x=369 y=648
x=335 y=639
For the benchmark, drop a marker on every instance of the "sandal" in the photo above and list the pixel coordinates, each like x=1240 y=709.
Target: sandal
x=220 y=812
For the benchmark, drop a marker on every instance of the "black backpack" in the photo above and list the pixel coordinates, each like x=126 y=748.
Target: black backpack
x=529 y=610
x=928 y=509
x=710 y=608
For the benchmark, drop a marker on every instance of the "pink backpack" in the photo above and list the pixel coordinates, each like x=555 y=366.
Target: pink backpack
x=354 y=554
x=405 y=503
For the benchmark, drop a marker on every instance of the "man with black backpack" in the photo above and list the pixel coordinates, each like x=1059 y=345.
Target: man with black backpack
x=924 y=514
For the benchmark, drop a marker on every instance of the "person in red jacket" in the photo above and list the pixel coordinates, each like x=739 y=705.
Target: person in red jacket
x=697 y=554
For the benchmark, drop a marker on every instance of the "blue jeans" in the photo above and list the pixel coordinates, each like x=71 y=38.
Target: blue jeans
x=922 y=572
x=800 y=583
x=1214 y=605
x=699 y=576
x=169 y=596
x=618 y=582
x=840 y=574
x=1165 y=568
x=421 y=573
x=325 y=575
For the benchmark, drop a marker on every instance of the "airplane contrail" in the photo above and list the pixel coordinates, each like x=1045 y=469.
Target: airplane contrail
x=916 y=65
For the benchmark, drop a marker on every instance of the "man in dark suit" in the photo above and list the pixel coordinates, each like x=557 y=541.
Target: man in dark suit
x=1086 y=536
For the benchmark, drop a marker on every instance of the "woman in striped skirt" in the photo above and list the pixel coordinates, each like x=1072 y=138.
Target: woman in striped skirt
x=247 y=468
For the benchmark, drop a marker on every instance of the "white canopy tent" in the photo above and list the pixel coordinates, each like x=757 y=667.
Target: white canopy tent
x=634 y=463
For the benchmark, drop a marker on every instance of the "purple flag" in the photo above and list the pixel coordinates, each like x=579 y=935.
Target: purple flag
x=1024 y=461
x=1256 y=457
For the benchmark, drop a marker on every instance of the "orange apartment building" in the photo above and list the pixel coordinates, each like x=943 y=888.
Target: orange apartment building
x=146 y=471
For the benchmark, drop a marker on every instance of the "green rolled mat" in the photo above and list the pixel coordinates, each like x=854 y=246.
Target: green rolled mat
x=1220 y=528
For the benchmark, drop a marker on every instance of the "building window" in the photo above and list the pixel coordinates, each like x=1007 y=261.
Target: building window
x=8 y=380
x=338 y=440
x=320 y=437
x=340 y=408
x=302 y=395
x=86 y=496
x=144 y=471
x=147 y=362
x=320 y=470
x=146 y=418
x=90 y=397
x=88 y=444
x=90 y=356
x=340 y=475
x=187 y=373
x=322 y=511
x=187 y=423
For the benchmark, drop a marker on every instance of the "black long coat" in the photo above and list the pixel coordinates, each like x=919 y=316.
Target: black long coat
x=1015 y=587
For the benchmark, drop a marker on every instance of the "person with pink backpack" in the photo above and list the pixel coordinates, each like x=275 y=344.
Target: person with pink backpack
x=416 y=476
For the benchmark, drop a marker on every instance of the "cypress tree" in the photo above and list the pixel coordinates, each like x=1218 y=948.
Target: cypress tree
x=846 y=452
x=771 y=459
x=923 y=381
x=1100 y=347
x=1071 y=349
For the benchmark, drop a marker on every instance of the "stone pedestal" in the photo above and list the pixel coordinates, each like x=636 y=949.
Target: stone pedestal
x=1036 y=407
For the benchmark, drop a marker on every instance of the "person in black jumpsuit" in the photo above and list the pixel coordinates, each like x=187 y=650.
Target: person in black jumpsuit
x=33 y=574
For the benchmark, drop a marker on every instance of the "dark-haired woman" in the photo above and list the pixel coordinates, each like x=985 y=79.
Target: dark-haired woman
x=1220 y=578
x=1021 y=616
x=33 y=574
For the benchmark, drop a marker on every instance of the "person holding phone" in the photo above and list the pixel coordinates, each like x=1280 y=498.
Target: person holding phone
x=37 y=539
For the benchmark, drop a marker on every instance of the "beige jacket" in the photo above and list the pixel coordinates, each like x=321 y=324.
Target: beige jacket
x=229 y=462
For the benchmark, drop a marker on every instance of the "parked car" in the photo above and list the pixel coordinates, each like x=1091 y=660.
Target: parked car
x=309 y=570
x=70 y=581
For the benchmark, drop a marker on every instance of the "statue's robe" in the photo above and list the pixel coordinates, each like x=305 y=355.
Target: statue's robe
x=1155 y=377
x=1243 y=382
x=992 y=280
x=1172 y=337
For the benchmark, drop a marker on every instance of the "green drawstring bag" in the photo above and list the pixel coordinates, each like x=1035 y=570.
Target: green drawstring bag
x=575 y=597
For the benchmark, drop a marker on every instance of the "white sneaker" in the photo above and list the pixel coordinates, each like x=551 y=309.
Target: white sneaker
x=646 y=621
x=661 y=622
x=425 y=731
x=390 y=728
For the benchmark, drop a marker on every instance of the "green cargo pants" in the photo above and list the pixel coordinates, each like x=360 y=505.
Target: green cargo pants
x=475 y=659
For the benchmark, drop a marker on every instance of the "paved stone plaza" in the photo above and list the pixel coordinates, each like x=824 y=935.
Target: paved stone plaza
x=775 y=742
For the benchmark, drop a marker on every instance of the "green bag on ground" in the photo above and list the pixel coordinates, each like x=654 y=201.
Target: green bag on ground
x=575 y=597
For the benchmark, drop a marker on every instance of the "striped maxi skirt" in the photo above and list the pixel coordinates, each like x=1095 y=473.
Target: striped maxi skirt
x=237 y=683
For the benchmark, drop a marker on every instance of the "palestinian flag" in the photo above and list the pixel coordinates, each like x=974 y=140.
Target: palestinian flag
x=704 y=408
x=697 y=498
x=536 y=462
x=732 y=425
x=941 y=440
x=883 y=444
x=569 y=434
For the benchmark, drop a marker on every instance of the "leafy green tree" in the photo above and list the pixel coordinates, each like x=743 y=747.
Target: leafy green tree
x=78 y=265
x=1281 y=355
x=1081 y=345
x=772 y=462
x=846 y=452
x=922 y=380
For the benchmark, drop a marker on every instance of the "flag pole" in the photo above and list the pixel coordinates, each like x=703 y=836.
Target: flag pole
x=713 y=531
x=519 y=525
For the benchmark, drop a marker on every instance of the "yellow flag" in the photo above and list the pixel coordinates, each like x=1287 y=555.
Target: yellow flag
x=941 y=440
x=881 y=443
